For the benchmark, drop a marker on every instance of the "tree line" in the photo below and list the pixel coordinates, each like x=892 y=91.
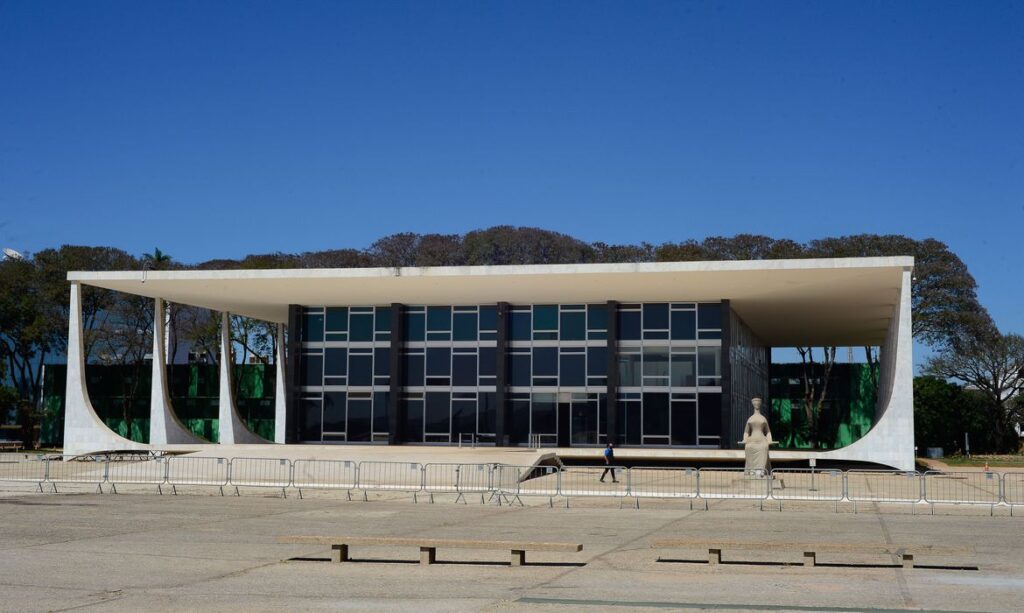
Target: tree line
x=947 y=315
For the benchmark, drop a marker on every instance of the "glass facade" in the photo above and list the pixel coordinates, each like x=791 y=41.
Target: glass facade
x=556 y=373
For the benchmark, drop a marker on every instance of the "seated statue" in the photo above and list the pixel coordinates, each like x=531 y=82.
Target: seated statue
x=757 y=438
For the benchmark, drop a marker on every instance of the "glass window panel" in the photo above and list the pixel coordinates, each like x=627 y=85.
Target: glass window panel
x=572 y=370
x=412 y=370
x=382 y=320
x=629 y=325
x=464 y=327
x=597 y=317
x=709 y=362
x=312 y=413
x=684 y=370
x=519 y=369
x=709 y=334
x=709 y=414
x=486 y=412
x=544 y=414
x=313 y=368
x=573 y=326
x=630 y=416
x=337 y=319
x=656 y=362
x=488 y=361
x=335 y=362
x=382 y=361
x=334 y=411
x=313 y=328
x=464 y=369
x=415 y=327
x=629 y=369
x=463 y=417
x=489 y=317
x=684 y=325
x=413 y=420
x=597 y=361
x=709 y=315
x=438 y=412
x=439 y=361
x=519 y=325
x=656 y=414
x=520 y=417
x=684 y=423
x=361 y=327
x=656 y=317
x=545 y=361
x=381 y=408
x=439 y=318
x=360 y=369
x=545 y=317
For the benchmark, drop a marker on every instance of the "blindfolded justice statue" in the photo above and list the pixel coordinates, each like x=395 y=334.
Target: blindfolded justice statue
x=757 y=438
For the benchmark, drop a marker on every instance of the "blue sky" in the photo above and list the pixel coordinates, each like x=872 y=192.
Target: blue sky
x=216 y=129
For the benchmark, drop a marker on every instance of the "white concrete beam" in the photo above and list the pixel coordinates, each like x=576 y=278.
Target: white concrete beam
x=280 y=404
x=231 y=427
x=164 y=426
x=84 y=431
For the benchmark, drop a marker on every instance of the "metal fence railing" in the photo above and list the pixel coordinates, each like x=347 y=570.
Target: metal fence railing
x=325 y=475
x=260 y=472
x=509 y=483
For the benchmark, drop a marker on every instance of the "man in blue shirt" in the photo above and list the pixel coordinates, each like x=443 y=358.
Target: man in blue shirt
x=609 y=460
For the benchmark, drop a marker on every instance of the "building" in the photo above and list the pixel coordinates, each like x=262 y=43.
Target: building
x=651 y=355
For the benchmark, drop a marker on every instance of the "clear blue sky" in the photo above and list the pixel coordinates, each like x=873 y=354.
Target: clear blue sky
x=203 y=127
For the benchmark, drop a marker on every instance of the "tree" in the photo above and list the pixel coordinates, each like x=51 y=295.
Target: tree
x=815 y=379
x=993 y=365
x=125 y=341
x=944 y=412
x=157 y=260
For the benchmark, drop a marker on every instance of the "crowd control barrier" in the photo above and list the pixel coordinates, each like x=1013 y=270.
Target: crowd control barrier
x=664 y=483
x=260 y=472
x=509 y=483
x=891 y=486
x=197 y=471
x=962 y=488
x=147 y=471
x=23 y=470
x=808 y=484
x=325 y=475
x=460 y=479
x=86 y=470
x=391 y=477
x=730 y=483
x=1013 y=490
x=603 y=481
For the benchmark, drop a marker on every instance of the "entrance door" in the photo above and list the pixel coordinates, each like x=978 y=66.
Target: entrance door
x=584 y=420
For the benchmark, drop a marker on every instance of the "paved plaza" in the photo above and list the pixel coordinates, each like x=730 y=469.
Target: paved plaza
x=142 y=551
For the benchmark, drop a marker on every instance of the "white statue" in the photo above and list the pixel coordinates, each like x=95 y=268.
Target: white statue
x=757 y=438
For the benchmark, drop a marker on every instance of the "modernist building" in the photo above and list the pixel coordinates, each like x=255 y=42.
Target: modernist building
x=658 y=355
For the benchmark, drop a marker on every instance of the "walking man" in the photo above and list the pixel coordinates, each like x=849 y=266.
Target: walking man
x=609 y=461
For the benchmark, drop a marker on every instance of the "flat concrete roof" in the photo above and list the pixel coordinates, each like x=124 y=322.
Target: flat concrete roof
x=835 y=301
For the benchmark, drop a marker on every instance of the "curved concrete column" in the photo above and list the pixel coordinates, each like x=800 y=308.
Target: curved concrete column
x=891 y=440
x=280 y=392
x=84 y=431
x=231 y=428
x=164 y=426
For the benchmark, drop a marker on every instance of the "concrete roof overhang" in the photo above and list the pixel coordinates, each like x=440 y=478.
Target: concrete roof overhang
x=843 y=301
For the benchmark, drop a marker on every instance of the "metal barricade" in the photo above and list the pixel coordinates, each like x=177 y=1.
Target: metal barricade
x=1013 y=490
x=186 y=470
x=652 y=482
x=23 y=469
x=600 y=481
x=150 y=471
x=325 y=475
x=732 y=483
x=458 y=479
x=260 y=472
x=962 y=488
x=86 y=469
x=509 y=482
x=808 y=484
x=887 y=486
x=391 y=477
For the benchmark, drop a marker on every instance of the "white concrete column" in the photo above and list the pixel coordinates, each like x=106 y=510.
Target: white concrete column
x=891 y=440
x=164 y=426
x=84 y=431
x=280 y=404
x=231 y=429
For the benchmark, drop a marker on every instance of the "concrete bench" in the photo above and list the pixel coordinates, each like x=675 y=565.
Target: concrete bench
x=810 y=550
x=428 y=546
x=6 y=445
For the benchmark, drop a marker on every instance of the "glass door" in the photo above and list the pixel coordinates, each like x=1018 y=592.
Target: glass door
x=584 y=420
